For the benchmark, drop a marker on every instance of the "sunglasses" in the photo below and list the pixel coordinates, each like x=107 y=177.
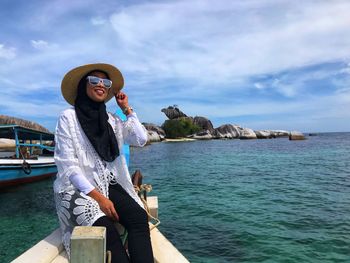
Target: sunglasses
x=107 y=83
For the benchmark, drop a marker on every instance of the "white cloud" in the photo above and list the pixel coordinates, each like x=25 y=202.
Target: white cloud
x=346 y=69
x=19 y=107
x=97 y=21
x=259 y=86
x=43 y=45
x=193 y=39
x=287 y=90
x=53 y=14
x=39 y=44
x=7 y=53
x=323 y=109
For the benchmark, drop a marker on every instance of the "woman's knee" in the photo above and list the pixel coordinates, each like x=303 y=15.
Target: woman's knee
x=137 y=217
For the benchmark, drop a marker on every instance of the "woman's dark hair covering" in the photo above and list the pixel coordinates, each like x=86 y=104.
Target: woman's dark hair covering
x=93 y=118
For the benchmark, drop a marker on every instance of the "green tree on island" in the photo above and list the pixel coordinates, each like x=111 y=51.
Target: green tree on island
x=180 y=127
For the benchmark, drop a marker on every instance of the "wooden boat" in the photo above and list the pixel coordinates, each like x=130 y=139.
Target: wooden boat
x=30 y=159
x=50 y=249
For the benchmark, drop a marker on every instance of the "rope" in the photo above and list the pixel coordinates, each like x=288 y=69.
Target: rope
x=27 y=169
x=141 y=191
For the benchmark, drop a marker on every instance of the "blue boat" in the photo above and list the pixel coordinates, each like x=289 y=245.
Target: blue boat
x=31 y=158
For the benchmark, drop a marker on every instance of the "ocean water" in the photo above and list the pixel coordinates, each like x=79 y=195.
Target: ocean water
x=224 y=200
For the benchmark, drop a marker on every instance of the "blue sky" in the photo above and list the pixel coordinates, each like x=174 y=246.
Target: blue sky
x=262 y=64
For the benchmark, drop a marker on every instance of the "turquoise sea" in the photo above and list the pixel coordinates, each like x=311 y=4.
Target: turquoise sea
x=224 y=200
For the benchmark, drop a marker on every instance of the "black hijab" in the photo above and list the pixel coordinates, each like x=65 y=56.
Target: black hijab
x=93 y=118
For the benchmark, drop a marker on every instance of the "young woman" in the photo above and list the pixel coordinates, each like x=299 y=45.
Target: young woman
x=93 y=186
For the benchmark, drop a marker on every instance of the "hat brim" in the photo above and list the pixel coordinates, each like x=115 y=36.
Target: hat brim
x=69 y=85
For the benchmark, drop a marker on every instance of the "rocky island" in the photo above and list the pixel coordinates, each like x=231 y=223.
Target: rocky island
x=179 y=125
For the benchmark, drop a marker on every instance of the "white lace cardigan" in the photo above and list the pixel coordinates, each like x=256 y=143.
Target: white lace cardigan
x=74 y=154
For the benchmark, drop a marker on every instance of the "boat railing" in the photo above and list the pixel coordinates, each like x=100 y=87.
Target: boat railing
x=25 y=137
x=41 y=146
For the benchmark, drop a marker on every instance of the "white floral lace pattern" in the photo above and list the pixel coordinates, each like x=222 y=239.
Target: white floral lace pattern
x=86 y=210
x=75 y=209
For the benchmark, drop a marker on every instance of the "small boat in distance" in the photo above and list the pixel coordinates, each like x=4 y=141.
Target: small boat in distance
x=31 y=158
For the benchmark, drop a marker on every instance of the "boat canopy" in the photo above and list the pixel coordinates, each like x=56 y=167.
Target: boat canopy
x=21 y=135
x=9 y=131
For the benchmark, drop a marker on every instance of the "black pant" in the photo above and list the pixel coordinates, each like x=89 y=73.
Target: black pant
x=134 y=219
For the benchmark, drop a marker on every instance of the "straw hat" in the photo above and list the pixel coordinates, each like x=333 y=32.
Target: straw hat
x=69 y=85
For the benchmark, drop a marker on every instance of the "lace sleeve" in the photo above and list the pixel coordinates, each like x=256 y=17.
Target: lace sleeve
x=134 y=133
x=65 y=156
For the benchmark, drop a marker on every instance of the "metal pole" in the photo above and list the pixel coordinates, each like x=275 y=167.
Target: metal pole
x=41 y=143
x=17 y=143
x=31 y=147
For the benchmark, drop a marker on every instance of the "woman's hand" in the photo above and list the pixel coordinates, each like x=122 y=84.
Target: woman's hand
x=107 y=207
x=122 y=100
x=105 y=204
